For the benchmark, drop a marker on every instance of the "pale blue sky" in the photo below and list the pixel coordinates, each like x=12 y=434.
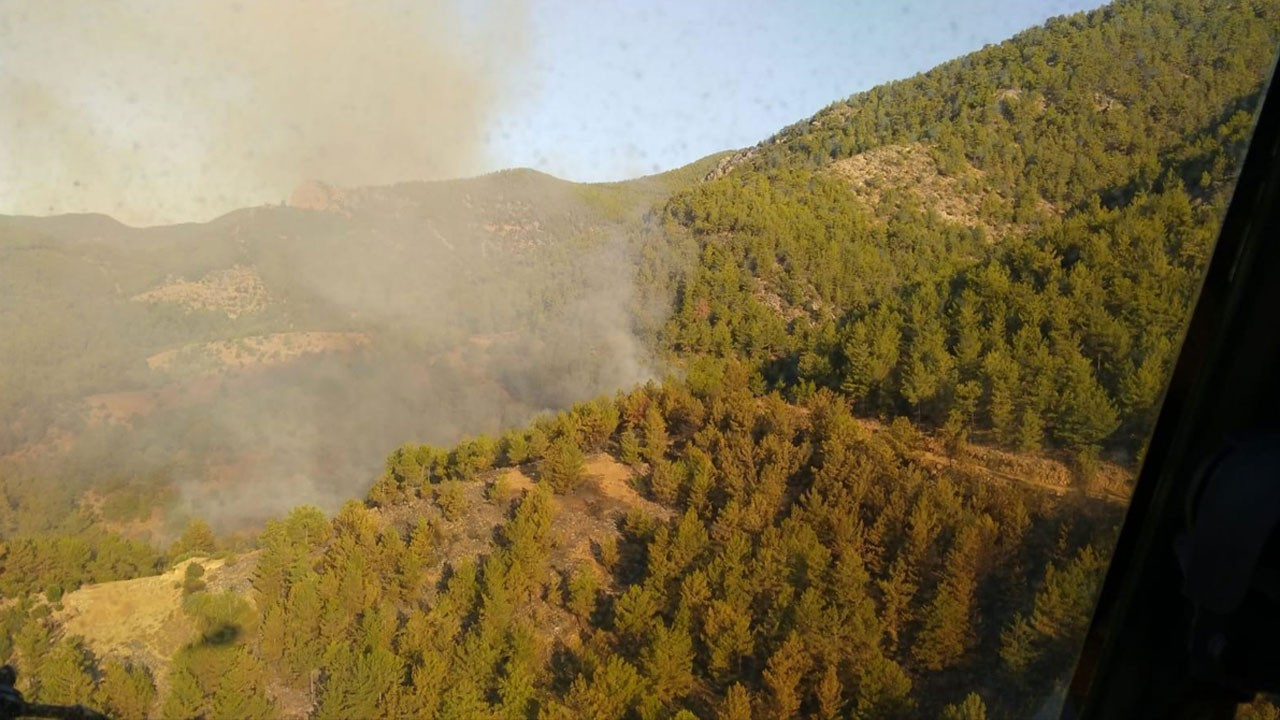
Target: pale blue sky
x=616 y=89
x=157 y=111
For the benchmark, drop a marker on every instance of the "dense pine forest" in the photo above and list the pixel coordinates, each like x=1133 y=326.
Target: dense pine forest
x=912 y=347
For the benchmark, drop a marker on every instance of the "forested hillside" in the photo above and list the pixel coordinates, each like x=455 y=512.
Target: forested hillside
x=1028 y=278
x=791 y=558
x=913 y=348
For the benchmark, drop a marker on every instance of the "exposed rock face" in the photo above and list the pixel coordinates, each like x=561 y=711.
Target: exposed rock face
x=315 y=195
x=725 y=166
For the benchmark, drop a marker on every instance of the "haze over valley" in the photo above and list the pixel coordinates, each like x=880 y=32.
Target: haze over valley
x=274 y=356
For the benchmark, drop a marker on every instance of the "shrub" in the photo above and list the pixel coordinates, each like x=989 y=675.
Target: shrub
x=562 y=466
x=193 y=578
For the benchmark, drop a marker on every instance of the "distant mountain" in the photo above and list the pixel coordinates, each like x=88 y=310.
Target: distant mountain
x=291 y=348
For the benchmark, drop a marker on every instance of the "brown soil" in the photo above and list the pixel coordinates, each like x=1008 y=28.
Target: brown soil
x=517 y=480
x=617 y=482
x=484 y=341
x=56 y=440
x=582 y=518
x=119 y=407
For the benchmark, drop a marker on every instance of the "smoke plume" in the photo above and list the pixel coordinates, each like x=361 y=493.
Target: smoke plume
x=155 y=111
x=452 y=308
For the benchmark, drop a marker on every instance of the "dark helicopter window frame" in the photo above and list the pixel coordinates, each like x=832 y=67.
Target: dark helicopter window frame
x=1140 y=656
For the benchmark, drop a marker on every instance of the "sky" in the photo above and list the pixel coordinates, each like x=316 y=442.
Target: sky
x=157 y=112
x=622 y=88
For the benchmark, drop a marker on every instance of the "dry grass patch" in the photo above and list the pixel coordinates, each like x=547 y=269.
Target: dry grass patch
x=617 y=482
x=142 y=619
x=1112 y=482
x=235 y=291
x=910 y=169
x=254 y=351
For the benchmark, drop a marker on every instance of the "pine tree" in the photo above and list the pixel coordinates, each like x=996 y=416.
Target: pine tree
x=664 y=481
x=871 y=350
x=629 y=451
x=359 y=684
x=241 y=691
x=690 y=541
x=858 y=360
x=390 y=557
x=196 y=539
x=614 y=687
x=968 y=346
x=1140 y=386
x=1084 y=415
x=1050 y=636
x=427 y=681
x=610 y=555
x=561 y=468
x=655 y=435
x=727 y=636
x=463 y=700
x=1001 y=378
x=271 y=634
x=304 y=620
x=960 y=416
x=517 y=687
x=597 y=421
x=1018 y=646
x=125 y=690
x=583 y=589
x=66 y=674
x=496 y=606
x=413 y=564
x=736 y=705
x=928 y=366
x=783 y=675
x=948 y=621
x=667 y=662
x=971 y=708
x=451 y=497
x=515 y=448
x=517 y=691
x=1031 y=429
x=529 y=536
x=634 y=611
x=185 y=698
x=884 y=690
x=829 y=694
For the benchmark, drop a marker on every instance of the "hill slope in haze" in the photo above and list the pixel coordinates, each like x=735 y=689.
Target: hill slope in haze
x=916 y=344
x=289 y=349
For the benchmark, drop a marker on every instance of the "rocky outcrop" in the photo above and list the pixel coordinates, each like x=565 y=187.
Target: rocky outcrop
x=726 y=165
x=315 y=195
